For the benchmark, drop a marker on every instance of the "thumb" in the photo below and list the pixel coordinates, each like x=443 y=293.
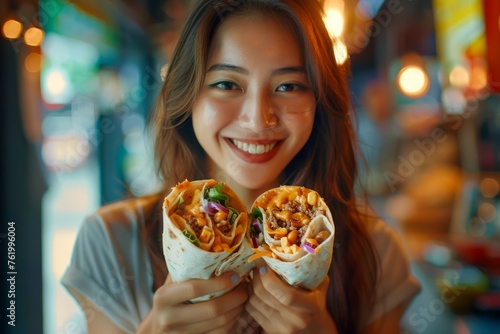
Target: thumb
x=260 y=262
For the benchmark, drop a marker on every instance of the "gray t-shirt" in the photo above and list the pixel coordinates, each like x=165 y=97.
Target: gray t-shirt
x=110 y=265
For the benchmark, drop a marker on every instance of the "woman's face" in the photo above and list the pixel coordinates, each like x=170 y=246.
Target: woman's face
x=256 y=108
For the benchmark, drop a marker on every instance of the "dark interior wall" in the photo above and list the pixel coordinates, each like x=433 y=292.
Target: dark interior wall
x=22 y=187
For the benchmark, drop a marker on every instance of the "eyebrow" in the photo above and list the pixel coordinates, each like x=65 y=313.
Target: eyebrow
x=238 y=69
x=227 y=67
x=289 y=70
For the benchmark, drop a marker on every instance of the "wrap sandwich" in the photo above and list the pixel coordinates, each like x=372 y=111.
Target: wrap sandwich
x=292 y=229
x=204 y=224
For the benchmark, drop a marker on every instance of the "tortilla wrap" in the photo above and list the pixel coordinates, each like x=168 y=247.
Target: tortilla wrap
x=195 y=242
x=296 y=234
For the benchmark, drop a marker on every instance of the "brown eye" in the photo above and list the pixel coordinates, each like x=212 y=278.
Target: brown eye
x=225 y=85
x=289 y=87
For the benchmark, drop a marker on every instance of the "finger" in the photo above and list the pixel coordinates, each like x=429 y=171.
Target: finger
x=168 y=280
x=220 y=324
x=266 y=306
x=177 y=293
x=323 y=286
x=277 y=313
x=268 y=323
x=261 y=298
x=208 y=310
x=260 y=262
x=267 y=282
x=244 y=323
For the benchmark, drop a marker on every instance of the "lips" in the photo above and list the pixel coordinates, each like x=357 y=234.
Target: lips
x=254 y=151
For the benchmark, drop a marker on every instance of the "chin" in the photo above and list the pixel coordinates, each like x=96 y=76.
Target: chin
x=254 y=180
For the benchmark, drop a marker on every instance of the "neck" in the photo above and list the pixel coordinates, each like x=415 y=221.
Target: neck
x=247 y=195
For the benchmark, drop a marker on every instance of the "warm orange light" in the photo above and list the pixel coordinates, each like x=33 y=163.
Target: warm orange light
x=334 y=22
x=487 y=212
x=459 y=77
x=12 y=29
x=489 y=187
x=341 y=53
x=478 y=77
x=413 y=81
x=33 y=36
x=33 y=62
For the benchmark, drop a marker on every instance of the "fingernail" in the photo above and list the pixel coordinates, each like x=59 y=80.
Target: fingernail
x=263 y=270
x=235 y=278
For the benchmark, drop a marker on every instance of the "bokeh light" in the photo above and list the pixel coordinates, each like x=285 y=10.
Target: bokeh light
x=454 y=101
x=478 y=77
x=12 y=29
x=341 y=53
x=56 y=82
x=459 y=77
x=487 y=212
x=334 y=22
x=413 y=81
x=33 y=36
x=477 y=227
x=489 y=187
x=33 y=62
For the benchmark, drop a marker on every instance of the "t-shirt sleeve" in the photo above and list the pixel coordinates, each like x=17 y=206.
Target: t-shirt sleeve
x=95 y=273
x=396 y=283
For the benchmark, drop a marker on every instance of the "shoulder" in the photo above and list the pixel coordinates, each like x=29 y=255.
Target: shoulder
x=115 y=226
x=385 y=238
x=110 y=265
x=388 y=245
x=133 y=209
x=396 y=284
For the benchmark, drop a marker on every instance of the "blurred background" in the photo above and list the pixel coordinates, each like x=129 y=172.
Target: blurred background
x=78 y=78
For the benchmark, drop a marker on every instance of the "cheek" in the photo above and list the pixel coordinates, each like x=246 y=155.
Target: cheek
x=302 y=128
x=300 y=124
x=211 y=111
x=305 y=130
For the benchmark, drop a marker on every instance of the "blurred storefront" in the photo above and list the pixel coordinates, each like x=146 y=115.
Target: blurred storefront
x=425 y=79
x=78 y=80
x=429 y=125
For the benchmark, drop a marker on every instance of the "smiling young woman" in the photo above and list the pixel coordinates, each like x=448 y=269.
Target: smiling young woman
x=253 y=97
x=255 y=77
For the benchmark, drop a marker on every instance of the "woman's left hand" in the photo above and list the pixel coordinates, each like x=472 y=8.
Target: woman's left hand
x=281 y=308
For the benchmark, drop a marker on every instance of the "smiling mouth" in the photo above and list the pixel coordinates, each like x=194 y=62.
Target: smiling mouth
x=256 y=149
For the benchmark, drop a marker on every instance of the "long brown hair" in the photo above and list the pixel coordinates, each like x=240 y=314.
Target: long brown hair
x=327 y=163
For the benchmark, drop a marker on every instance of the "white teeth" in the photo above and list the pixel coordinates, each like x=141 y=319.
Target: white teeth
x=252 y=148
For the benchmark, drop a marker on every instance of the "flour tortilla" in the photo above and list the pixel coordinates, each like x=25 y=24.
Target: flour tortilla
x=185 y=260
x=303 y=269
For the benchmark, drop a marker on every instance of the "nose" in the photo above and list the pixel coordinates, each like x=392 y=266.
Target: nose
x=258 y=112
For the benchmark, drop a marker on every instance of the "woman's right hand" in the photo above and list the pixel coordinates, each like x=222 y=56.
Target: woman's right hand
x=171 y=312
